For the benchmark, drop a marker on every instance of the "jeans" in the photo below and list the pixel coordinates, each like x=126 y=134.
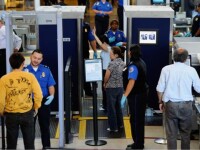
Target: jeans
x=26 y=123
x=104 y=101
x=115 y=116
x=178 y=116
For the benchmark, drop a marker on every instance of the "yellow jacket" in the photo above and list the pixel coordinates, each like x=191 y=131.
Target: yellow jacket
x=19 y=91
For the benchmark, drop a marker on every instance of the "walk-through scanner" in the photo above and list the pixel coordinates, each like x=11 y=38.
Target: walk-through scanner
x=70 y=22
x=151 y=27
x=59 y=30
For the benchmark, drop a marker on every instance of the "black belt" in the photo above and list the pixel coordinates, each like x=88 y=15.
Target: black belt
x=104 y=16
x=184 y=102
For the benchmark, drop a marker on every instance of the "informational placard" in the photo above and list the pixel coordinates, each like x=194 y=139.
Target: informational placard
x=93 y=70
x=148 y=36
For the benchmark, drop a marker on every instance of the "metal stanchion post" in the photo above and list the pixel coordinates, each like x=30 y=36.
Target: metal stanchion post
x=162 y=140
x=3 y=132
x=96 y=141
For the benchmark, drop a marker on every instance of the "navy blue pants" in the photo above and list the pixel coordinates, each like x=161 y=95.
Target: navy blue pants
x=137 y=106
x=44 y=122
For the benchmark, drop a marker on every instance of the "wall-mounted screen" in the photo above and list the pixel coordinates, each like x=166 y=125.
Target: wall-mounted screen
x=93 y=70
x=148 y=36
x=177 y=1
x=158 y=2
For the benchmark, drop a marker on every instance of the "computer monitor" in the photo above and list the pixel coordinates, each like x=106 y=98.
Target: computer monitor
x=158 y=2
x=177 y=1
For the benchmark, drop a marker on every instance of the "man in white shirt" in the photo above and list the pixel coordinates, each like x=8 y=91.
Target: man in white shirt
x=16 y=45
x=175 y=98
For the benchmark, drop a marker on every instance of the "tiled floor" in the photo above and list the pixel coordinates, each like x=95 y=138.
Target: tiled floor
x=151 y=133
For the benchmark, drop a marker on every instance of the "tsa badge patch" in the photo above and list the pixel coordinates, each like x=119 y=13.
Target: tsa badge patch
x=43 y=74
x=131 y=69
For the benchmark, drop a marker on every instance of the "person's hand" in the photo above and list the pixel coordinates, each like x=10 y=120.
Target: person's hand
x=111 y=39
x=123 y=101
x=95 y=55
x=161 y=107
x=94 y=31
x=35 y=113
x=119 y=44
x=49 y=100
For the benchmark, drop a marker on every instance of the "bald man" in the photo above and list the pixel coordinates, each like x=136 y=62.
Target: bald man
x=175 y=98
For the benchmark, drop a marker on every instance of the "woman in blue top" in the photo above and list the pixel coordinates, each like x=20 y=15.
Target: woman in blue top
x=102 y=10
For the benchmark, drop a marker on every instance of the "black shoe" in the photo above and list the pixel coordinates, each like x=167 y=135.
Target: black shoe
x=130 y=145
x=137 y=146
x=134 y=146
x=46 y=147
x=89 y=93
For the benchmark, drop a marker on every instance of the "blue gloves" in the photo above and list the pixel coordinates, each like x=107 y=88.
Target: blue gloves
x=119 y=44
x=95 y=55
x=123 y=101
x=111 y=39
x=49 y=100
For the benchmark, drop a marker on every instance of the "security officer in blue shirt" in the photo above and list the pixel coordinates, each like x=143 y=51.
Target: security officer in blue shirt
x=102 y=10
x=116 y=37
x=196 y=23
x=136 y=90
x=47 y=82
x=88 y=37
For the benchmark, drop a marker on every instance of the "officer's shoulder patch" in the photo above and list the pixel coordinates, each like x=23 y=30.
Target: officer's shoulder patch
x=45 y=66
x=131 y=69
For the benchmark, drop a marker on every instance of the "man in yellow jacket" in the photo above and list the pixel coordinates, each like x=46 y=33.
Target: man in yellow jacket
x=20 y=96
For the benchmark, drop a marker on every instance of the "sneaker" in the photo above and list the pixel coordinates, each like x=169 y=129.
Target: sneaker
x=101 y=108
x=108 y=129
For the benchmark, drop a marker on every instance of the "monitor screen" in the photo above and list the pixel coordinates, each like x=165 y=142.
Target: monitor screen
x=158 y=2
x=177 y=1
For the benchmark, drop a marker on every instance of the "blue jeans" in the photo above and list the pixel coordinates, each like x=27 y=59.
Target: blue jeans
x=26 y=122
x=115 y=116
x=178 y=116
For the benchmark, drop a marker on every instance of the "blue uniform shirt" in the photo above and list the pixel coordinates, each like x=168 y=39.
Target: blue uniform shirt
x=91 y=36
x=132 y=72
x=199 y=21
x=100 y=6
x=120 y=2
x=44 y=77
x=119 y=36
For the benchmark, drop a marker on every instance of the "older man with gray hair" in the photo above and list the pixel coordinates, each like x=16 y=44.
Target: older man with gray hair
x=175 y=98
